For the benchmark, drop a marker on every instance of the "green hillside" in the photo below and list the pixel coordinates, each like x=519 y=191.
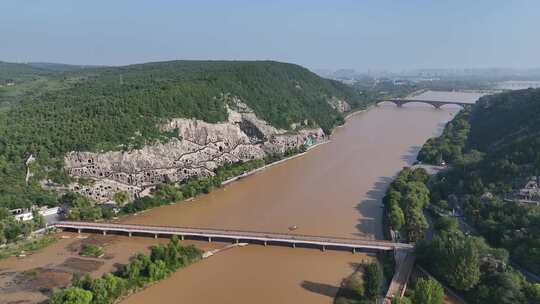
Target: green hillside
x=19 y=72
x=28 y=80
x=113 y=108
x=24 y=72
x=500 y=153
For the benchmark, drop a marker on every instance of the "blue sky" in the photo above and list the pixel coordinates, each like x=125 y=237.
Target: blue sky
x=378 y=34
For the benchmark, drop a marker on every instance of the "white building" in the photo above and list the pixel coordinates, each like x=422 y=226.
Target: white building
x=26 y=215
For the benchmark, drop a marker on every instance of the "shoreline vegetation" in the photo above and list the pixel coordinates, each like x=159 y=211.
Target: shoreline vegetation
x=266 y=166
x=363 y=286
x=140 y=273
x=33 y=244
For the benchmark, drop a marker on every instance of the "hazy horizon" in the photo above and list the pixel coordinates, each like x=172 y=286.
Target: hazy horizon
x=369 y=35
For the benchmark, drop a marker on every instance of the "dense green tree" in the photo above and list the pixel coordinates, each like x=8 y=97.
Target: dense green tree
x=404 y=300
x=72 y=295
x=158 y=270
x=373 y=280
x=396 y=217
x=132 y=272
x=416 y=224
x=404 y=202
x=501 y=288
x=454 y=258
x=100 y=293
x=446 y=223
x=533 y=293
x=83 y=208
x=121 y=198
x=356 y=286
x=4 y=213
x=428 y=291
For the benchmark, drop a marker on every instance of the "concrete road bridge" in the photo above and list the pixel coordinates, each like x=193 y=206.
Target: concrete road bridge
x=436 y=103
x=265 y=238
x=403 y=253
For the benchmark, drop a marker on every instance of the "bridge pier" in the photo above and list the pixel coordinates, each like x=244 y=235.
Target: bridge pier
x=265 y=243
x=129 y=234
x=182 y=237
x=354 y=250
x=155 y=235
x=104 y=232
x=237 y=241
x=323 y=248
x=293 y=245
x=209 y=239
x=79 y=231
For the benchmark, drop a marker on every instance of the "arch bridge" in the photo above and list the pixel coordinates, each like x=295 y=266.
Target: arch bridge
x=436 y=103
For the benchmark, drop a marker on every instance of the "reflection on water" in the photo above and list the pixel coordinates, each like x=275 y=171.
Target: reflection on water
x=334 y=190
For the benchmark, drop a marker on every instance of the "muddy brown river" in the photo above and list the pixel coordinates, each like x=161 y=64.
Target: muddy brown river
x=334 y=190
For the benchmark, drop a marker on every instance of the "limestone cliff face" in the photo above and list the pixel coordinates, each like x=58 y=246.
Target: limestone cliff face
x=200 y=148
x=339 y=105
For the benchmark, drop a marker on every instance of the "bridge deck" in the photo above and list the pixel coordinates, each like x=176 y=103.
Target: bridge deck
x=237 y=235
x=436 y=103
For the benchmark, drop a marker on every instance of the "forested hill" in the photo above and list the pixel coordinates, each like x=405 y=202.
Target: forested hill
x=106 y=107
x=111 y=108
x=11 y=72
x=23 y=72
x=504 y=126
x=494 y=150
x=501 y=120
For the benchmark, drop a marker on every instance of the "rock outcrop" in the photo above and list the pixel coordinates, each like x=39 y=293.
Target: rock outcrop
x=200 y=148
x=339 y=105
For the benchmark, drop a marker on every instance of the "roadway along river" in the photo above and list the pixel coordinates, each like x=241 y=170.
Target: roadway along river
x=334 y=190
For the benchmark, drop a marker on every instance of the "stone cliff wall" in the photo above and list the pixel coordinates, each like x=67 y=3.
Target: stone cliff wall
x=200 y=148
x=339 y=105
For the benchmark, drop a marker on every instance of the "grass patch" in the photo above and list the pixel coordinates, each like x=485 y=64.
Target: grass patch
x=90 y=250
x=30 y=273
x=21 y=247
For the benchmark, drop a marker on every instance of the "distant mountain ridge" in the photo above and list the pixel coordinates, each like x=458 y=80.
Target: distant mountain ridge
x=21 y=72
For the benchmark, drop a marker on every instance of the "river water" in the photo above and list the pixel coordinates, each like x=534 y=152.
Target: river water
x=334 y=190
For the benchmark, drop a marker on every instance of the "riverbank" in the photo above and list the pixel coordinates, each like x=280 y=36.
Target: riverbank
x=356 y=112
x=30 y=245
x=142 y=271
x=273 y=164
